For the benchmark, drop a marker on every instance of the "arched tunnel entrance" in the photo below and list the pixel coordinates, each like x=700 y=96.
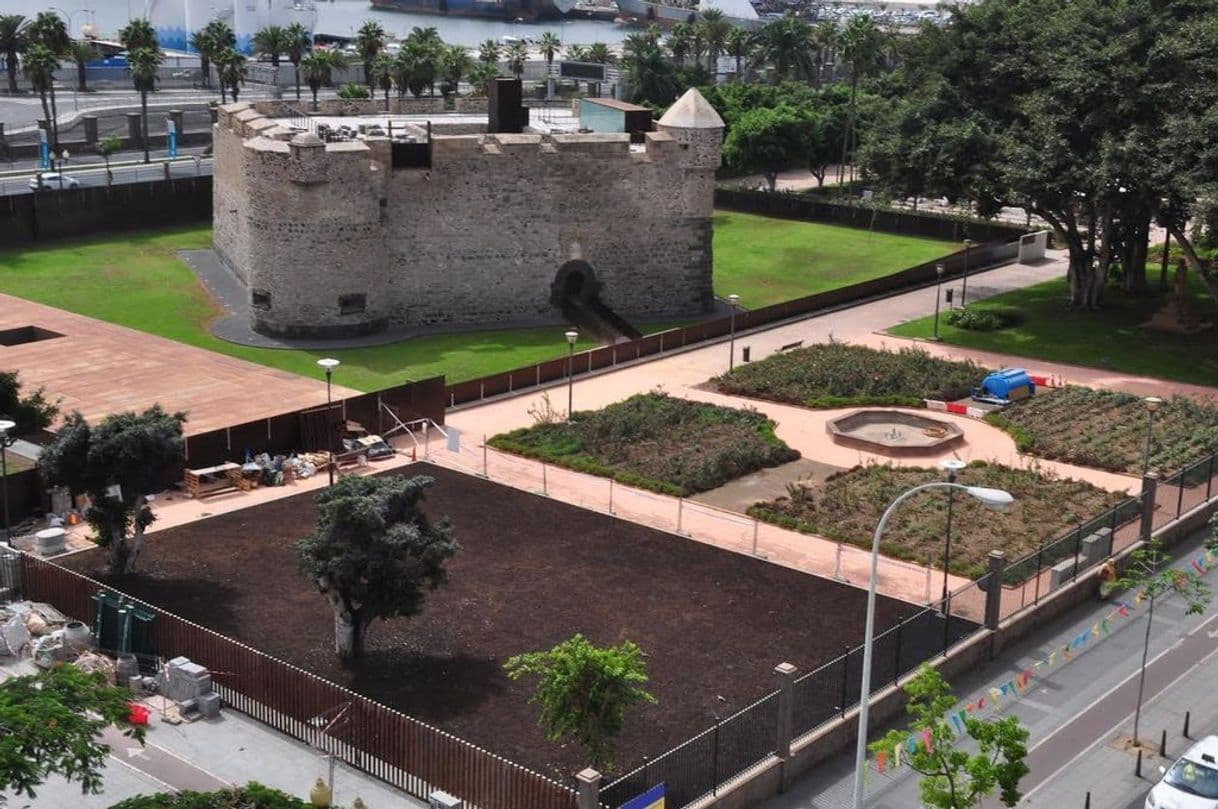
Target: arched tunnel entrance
x=576 y=293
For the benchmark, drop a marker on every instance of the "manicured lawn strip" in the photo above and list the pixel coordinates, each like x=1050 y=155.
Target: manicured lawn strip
x=841 y=375
x=1111 y=338
x=137 y=280
x=1107 y=429
x=766 y=260
x=656 y=442
x=848 y=505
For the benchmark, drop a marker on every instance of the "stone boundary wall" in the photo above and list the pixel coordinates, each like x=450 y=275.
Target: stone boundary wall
x=407 y=105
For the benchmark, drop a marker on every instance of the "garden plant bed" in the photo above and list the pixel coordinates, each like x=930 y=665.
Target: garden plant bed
x=841 y=375
x=531 y=572
x=656 y=442
x=1107 y=429
x=847 y=506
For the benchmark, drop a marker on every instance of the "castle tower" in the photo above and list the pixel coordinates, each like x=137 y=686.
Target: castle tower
x=693 y=122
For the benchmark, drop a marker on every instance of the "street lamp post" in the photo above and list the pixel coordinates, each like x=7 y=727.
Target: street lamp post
x=1152 y=405
x=993 y=498
x=328 y=365
x=968 y=244
x=940 y=269
x=952 y=466
x=572 y=336
x=6 y=441
x=732 y=301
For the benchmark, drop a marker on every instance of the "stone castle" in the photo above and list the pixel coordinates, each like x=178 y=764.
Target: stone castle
x=464 y=228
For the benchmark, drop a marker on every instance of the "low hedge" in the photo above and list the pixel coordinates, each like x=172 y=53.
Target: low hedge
x=250 y=796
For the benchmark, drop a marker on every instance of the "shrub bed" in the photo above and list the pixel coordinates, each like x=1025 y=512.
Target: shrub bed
x=984 y=318
x=250 y=796
x=849 y=504
x=657 y=442
x=1107 y=429
x=840 y=375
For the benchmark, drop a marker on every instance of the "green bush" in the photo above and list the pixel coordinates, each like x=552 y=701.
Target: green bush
x=250 y=796
x=984 y=318
x=657 y=442
x=353 y=91
x=840 y=375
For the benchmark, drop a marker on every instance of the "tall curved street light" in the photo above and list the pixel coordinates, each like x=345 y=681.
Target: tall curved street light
x=572 y=338
x=734 y=302
x=991 y=498
x=1152 y=406
x=328 y=365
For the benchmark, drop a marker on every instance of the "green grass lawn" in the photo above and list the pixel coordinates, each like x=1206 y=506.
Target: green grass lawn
x=137 y=280
x=767 y=261
x=1111 y=338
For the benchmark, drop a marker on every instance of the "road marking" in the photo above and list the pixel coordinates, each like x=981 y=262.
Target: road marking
x=1212 y=635
x=136 y=752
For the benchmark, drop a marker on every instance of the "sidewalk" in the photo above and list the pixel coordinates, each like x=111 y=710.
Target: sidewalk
x=1074 y=706
x=207 y=755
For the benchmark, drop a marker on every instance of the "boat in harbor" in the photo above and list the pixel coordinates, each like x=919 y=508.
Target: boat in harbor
x=527 y=10
x=668 y=14
x=588 y=9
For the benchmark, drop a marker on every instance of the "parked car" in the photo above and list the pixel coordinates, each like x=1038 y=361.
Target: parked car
x=1190 y=783
x=52 y=180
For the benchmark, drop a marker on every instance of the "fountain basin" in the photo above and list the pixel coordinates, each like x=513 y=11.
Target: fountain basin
x=894 y=432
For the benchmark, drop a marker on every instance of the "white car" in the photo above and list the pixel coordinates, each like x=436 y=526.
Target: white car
x=1192 y=782
x=51 y=179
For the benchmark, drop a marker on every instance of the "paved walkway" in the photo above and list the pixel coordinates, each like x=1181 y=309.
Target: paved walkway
x=1073 y=712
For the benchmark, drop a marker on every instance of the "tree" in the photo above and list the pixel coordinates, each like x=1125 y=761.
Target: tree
x=138 y=33
x=135 y=452
x=272 y=41
x=787 y=44
x=50 y=723
x=369 y=41
x=319 y=67
x=427 y=50
x=82 y=52
x=382 y=74
x=517 y=55
x=599 y=53
x=40 y=65
x=715 y=31
x=13 y=41
x=585 y=691
x=861 y=44
x=767 y=140
x=679 y=42
x=108 y=146
x=299 y=41
x=480 y=77
x=549 y=45
x=31 y=413
x=649 y=75
x=209 y=41
x=373 y=552
x=145 y=63
x=251 y=796
x=1149 y=577
x=49 y=30
x=230 y=67
x=455 y=63
x=953 y=778
x=739 y=45
x=488 y=52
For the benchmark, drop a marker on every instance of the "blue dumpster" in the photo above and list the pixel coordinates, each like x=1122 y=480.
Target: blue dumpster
x=1005 y=386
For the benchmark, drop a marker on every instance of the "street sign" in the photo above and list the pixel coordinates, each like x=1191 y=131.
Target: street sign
x=651 y=799
x=173 y=138
x=44 y=150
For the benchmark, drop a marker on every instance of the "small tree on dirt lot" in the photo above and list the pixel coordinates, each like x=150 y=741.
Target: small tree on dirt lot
x=49 y=725
x=585 y=691
x=117 y=464
x=953 y=778
x=31 y=412
x=372 y=552
x=1149 y=577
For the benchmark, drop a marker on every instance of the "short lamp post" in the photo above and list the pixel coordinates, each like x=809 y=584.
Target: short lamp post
x=992 y=498
x=572 y=337
x=940 y=269
x=968 y=245
x=7 y=439
x=952 y=467
x=1152 y=406
x=328 y=365
x=733 y=301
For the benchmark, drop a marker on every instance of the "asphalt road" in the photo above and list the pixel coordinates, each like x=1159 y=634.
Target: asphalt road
x=96 y=176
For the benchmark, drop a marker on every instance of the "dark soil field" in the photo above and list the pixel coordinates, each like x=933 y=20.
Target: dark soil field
x=531 y=572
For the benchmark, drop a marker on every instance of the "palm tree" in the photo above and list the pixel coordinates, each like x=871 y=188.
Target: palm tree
x=599 y=52
x=488 y=52
x=82 y=52
x=319 y=67
x=145 y=62
x=40 y=64
x=549 y=45
x=49 y=30
x=739 y=44
x=678 y=42
x=481 y=75
x=517 y=55
x=108 y=146
x=428 y=50
x=230 y=66
x=211 y=40
x=648 y=72
x=13 y=42
x=299 y=41
x=138 y=33
x=271 y=41
x=715 y=31
x=787 y=44
x=862 y=46
x=383 y=71
x=577 y=53
x=455 y=63
x=369 y=40
x=825 y=36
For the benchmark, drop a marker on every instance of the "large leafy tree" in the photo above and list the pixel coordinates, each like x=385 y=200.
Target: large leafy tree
x=374 y=553
x=14 y=29
x=767 y=140
x=954 y=778
x=135 y=452
x=50 y=723
x=585 y=691
x=369 y=41
x=31 y=412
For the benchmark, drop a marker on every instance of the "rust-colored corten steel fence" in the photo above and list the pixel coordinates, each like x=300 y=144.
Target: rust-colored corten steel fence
x=402 y=751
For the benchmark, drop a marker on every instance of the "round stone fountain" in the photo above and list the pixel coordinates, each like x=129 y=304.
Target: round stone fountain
x=894 y=432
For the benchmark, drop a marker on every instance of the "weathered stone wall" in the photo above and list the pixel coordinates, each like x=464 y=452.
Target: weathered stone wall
x=479 y=237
